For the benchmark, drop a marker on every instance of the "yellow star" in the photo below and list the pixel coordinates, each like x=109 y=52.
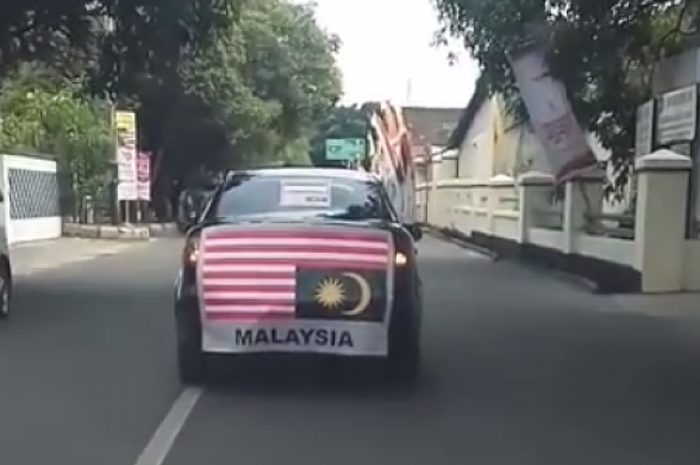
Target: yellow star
x=330 y=293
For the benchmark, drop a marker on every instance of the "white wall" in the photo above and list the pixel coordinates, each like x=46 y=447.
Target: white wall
x=475 y=153
x=27 y=229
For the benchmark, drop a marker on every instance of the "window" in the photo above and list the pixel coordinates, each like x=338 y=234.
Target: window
x=273 y=196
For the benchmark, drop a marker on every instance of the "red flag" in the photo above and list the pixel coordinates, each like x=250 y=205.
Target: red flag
x=252 y=275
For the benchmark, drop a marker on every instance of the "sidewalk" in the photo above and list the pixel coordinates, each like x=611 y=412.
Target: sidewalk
x=30 y=258
x=685 y=305
x=681 y=312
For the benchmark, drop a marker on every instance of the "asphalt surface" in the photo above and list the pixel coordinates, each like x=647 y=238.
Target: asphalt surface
x=520 y=369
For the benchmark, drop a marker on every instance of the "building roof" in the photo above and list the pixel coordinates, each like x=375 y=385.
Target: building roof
x=431 y=125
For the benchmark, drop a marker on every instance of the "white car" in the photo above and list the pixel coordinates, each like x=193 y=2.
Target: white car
x=5 y=265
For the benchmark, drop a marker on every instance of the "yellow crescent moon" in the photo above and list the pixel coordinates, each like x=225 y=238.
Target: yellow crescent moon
x=365 y=294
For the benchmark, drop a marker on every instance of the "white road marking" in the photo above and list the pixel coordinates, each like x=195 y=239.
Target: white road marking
x=163 y=439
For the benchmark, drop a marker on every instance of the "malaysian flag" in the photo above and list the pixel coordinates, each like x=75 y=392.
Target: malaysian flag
x=250 y=275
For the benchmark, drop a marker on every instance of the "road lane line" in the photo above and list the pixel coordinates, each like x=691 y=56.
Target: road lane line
x=163 y=439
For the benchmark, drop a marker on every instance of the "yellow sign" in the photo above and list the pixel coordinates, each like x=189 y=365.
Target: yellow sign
x=332 y=294
x=125 y=119
x=125 y=123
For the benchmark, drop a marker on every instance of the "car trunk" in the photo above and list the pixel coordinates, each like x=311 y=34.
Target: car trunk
x=295 y=270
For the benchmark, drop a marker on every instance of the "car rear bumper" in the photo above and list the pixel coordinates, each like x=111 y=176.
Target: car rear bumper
x=189 y=324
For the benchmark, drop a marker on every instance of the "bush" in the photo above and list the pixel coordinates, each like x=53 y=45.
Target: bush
x=43 y=114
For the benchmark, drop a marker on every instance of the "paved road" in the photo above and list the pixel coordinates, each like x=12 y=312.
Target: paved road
x=521 y=369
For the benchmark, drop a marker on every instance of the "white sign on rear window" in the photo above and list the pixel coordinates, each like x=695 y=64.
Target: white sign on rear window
x=305 y=194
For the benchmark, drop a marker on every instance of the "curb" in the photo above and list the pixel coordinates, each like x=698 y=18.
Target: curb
x=164 y=230
x=459 y=239
x=138 y=232
x=453 y=237
x=109 y=232
x=576 y=280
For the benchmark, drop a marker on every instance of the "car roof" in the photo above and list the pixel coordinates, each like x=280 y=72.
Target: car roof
x=340 y=173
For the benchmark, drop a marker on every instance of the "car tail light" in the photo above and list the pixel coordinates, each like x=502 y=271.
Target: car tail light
x=404 y=251
x=400 y=259
x=190 y=254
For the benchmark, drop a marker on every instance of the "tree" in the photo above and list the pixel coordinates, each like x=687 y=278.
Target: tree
x=45 y=114
x=602 y=51
x=130 y=36
x=258 y=91
x=342 y=122
x=213 y=85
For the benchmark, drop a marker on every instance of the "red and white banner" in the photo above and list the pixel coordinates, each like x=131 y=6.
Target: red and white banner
x=125 y=125
x=551 y=114
x=392 y=159
x=143 y=176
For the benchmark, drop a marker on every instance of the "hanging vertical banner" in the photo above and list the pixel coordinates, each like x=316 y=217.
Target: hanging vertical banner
x=550 y=113
x=143 y=176
x=392 y=158
x=125 y=123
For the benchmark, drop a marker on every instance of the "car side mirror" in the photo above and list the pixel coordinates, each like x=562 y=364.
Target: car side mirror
x=415 y=231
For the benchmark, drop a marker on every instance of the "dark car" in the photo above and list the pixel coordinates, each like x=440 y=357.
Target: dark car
x=300 y=261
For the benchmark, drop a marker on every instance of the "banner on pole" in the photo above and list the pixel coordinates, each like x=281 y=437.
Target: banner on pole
x=551 y=114
x=125 y=126
x=143 y=176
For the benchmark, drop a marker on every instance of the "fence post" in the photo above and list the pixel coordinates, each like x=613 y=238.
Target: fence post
x=496 y=185
x=661 y=218
x=577 y=202
x=533 y=186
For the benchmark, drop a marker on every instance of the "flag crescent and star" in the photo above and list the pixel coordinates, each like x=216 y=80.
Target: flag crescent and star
x=331 y=293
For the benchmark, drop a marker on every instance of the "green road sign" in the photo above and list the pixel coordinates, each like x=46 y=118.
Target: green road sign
x=345 y=149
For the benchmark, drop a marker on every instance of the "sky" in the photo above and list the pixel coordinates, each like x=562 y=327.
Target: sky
x=386 y=53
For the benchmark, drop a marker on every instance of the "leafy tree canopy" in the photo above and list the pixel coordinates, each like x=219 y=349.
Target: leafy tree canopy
x=260 y=89
x=127 y=35
x=215 y=83
x=602 y=50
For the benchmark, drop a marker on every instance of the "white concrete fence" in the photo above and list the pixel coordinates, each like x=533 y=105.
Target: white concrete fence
x=647 y=250
x=30 y=210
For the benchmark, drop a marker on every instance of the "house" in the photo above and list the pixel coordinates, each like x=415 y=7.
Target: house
x=432 y=125
x=489 y=141
x=430 y=130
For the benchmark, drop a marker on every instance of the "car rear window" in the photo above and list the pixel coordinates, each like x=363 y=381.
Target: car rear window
x=271 y=195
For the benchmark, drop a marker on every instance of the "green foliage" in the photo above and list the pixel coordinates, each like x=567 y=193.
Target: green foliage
x=602 y=50
x=125 y=36
x=215 y=83
x=251 y=96
x=342 y=122
x=41 y=113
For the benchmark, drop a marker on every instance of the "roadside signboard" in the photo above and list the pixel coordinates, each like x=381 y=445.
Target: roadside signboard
x=345 y=149
x=143 y=176
x=125 y=122
x=677 y=118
